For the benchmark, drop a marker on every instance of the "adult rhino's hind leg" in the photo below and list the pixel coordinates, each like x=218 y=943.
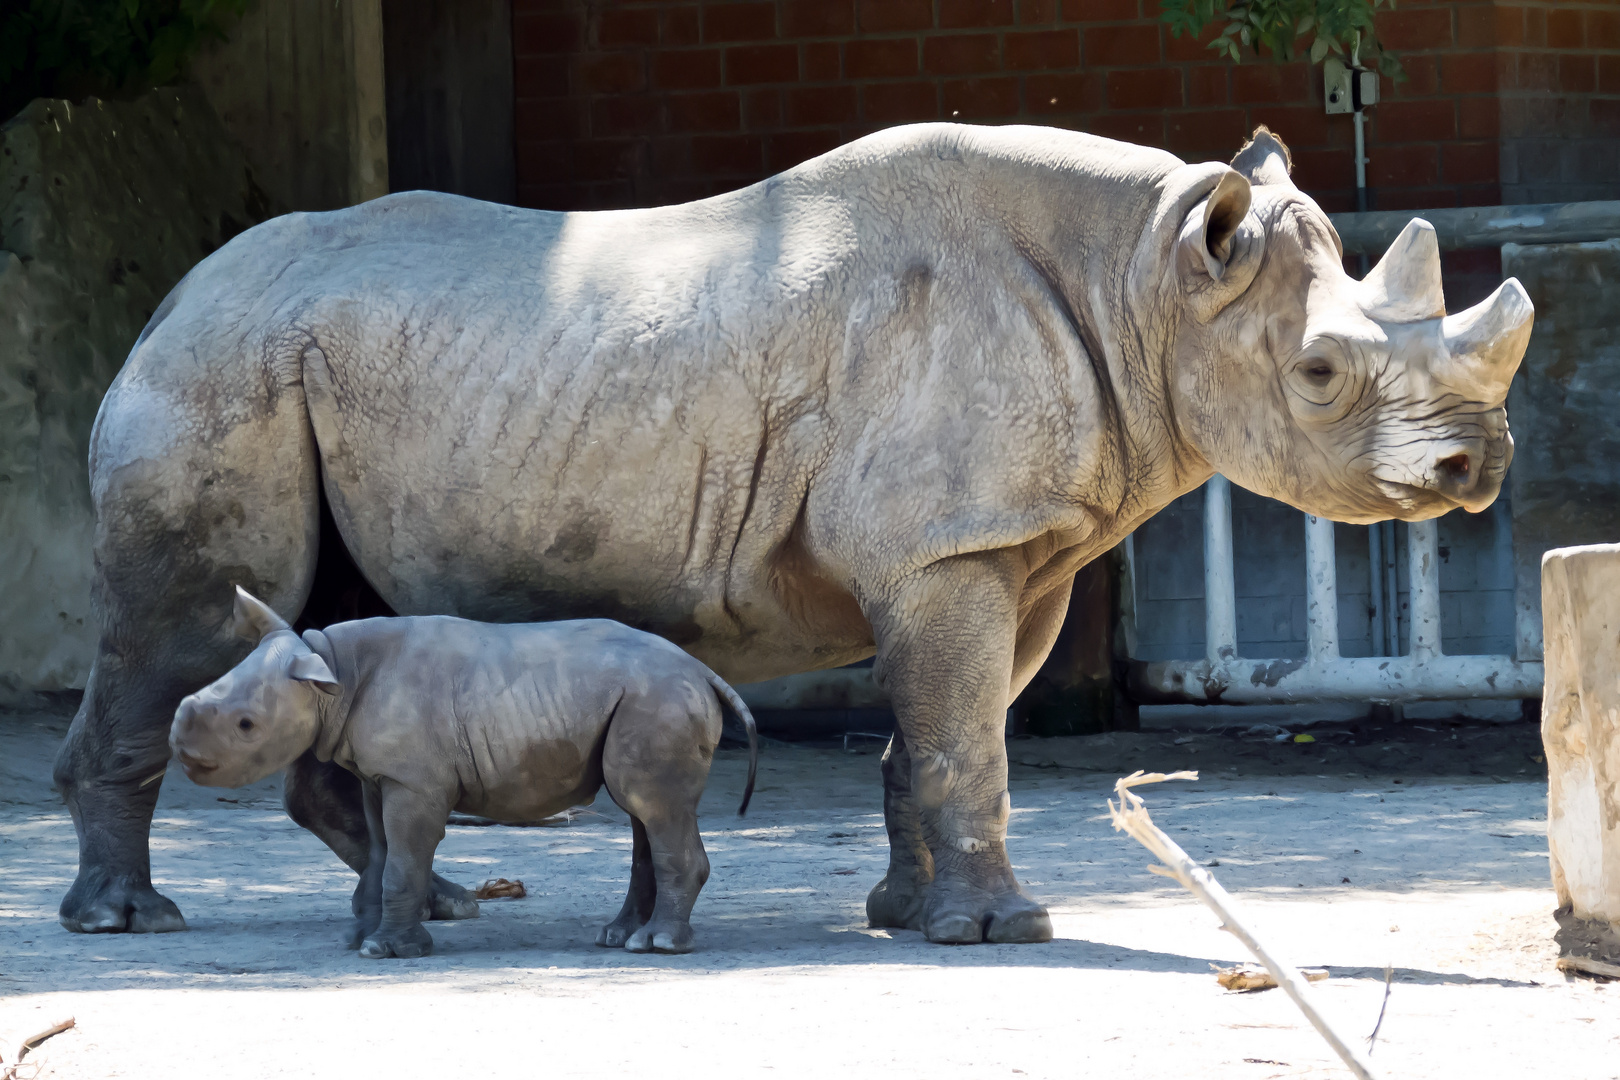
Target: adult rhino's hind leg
x=947 y=640
x=196 y=490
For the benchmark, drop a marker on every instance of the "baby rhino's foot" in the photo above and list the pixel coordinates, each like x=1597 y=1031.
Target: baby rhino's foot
x=407 y=943
x=448 y=901
x=616 y=933
x=664 y=937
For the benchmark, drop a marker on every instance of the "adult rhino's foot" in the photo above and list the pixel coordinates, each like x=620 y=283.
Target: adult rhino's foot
x=448 y=901
x=102 y=904
x=665 y=936
x=406 y=942
x=616 y=933
x=896 y=903
x=957 y=914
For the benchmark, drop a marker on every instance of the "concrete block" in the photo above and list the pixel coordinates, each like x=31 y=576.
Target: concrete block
x=1580 y=727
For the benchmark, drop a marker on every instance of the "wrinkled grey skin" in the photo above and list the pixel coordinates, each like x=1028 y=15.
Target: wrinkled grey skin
x=886 y=402
x=513 y=722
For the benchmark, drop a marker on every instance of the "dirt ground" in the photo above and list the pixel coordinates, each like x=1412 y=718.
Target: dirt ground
x=1428 y=856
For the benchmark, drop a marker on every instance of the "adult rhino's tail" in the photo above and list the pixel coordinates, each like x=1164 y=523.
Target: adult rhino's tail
x=731 y=697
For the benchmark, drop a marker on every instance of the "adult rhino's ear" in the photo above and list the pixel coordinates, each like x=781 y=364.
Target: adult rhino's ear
x=1264 y=159
x=310 y=668
x=1217 y=255
x=252 y=618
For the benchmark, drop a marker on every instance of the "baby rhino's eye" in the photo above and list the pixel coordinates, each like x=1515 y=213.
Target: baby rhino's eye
x=245 y=724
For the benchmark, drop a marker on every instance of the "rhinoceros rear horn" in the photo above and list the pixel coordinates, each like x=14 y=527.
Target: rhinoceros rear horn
x=1405 y=285
x=1264 y=159
x=252 y=618
x=1485 y=343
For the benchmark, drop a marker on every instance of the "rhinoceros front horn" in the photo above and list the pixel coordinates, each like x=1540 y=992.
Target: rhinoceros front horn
x=1485 y=343
x=1405 y=285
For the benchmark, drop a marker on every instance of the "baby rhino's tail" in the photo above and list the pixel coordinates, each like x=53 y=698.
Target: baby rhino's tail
x=730 y=697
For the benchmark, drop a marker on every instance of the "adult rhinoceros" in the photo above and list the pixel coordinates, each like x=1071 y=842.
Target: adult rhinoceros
x=886 y=402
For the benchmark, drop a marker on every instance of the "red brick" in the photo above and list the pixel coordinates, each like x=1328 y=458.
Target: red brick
x=762 y=64
x=877 y=16
x=1609 y=74
x=1152 y=89
x=890 y=103
x=605 y=159
x=812 y=106
x=687 y=69
x=1535 y=26
x=1146 y=129
x=961 y=54
x=1206 y=84
x=1415 y=121
x=980 y=99
x=680 y=26
x=1101 y=10
x=1036 y=12
x=790 y=148
x=544 y=162
x=610 y=73
x=1420 y=199
x=548 y=118
x=818 y=18
x=671 y=157
x=636 y=115
x=1603 y=29
x=877 y=58
x=734 y=154
x=717 y=111
x=1477 y=26
x=1403 y=166
x=1207 y=134
x=1509 y=28
x=1067 y=93
x=540 y=76
x=739 y=22
x=1415 y=28
x=546 y=197
x=762 y=110
x=635 y=26
x=1042 y=49
x=1469 y=73
x=820 y=61
x=1121 y=45
x=1471 y=163
x=1478 y=118
x=1577 y=74
x=1265 y=83
x=960 y=14
x=1536 y=71
x=1422 y=78
x=547 y=33
x=1323 y=170
x=1564 y=29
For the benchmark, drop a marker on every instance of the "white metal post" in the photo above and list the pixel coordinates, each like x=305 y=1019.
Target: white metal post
x=1423 y=583
x=1321 y=591
x=1392 y=589
x=1220 y=587
x=1375 y=587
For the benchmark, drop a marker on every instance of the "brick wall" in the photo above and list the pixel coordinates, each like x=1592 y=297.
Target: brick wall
x=640 y=102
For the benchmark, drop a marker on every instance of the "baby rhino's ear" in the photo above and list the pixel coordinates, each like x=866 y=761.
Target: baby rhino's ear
x=310 y=668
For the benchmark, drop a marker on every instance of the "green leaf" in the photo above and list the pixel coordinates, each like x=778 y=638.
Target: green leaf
x=1319 y=49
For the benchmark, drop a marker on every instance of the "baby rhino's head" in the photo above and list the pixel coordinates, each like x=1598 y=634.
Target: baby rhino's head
x=259 y=716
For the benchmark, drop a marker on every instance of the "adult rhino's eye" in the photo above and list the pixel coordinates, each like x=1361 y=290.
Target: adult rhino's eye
x=245 y=724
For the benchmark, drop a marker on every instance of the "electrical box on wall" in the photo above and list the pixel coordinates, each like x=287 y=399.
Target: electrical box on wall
x=1347 y=89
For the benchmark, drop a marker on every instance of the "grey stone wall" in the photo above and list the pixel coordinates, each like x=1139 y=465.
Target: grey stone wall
x=103 y=207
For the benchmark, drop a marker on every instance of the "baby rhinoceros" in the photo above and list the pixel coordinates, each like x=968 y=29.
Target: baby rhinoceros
x=512 y=722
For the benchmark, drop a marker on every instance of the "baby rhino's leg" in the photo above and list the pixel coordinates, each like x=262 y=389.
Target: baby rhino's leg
x=413 y=825
x=655 y=763
x=638 y=902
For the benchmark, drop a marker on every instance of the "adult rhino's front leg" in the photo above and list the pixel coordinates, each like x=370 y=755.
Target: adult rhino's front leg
x=947 y=644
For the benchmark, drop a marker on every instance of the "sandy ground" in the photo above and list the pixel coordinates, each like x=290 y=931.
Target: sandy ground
x=1445 y=878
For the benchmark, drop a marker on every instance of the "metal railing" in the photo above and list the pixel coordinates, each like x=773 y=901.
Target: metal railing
x=1424 y=673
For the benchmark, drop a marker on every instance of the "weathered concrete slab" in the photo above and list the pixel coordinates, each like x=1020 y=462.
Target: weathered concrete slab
x=1565 y=489
x=1580 y=727
x=103 y=207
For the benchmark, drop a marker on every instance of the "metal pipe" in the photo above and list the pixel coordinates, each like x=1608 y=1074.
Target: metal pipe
x=1349 y=678
x=1483 y=226
x=1321 y=591
x=1392 y=592
x=1220 y=586
x=1375 y=588
x=1423 y=584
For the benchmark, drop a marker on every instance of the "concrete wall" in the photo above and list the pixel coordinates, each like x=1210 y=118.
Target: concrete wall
x=300 y=84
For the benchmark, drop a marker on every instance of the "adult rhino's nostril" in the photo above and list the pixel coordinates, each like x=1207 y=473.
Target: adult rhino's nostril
x=1456 y=474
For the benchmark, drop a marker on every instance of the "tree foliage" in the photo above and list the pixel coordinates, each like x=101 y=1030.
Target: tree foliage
x=1281 y=27
x=110 y=48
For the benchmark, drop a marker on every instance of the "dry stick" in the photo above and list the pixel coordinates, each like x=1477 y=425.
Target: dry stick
x=1131 y=816
x=1389 y=981
x=34 y=1040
